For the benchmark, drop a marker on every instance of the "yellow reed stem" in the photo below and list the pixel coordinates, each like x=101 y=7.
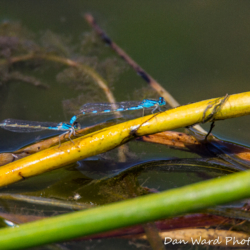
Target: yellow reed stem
x=114 y=136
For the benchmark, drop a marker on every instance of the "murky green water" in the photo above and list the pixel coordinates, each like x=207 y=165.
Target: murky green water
x=196 y=49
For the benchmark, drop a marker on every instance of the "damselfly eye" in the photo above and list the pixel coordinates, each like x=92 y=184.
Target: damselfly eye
x=76 y=125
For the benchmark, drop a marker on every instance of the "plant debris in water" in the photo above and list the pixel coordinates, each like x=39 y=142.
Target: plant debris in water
x=20 y=48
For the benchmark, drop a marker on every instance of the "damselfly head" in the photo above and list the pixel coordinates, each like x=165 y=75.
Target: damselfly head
x=162 y=101
x=76 y=125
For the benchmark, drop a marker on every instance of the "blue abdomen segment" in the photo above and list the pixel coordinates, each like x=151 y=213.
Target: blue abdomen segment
x=34 y=126
x=101 y=108
x=161 y=101
x=73 y=119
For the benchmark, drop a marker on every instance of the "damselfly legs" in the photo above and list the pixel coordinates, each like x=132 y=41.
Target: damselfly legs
x=87 y=109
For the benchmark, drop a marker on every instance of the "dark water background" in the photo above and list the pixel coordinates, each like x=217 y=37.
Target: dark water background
x=196 y=49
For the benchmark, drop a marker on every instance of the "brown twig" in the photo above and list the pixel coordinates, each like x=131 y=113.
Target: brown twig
x=197 y=130
x=140 y=71
x=236 y=155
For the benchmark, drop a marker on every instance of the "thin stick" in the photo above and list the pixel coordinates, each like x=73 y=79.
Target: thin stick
x=140 y=71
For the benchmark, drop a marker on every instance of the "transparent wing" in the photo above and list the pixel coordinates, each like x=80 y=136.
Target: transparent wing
x=100 y=108
x=27 y=126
